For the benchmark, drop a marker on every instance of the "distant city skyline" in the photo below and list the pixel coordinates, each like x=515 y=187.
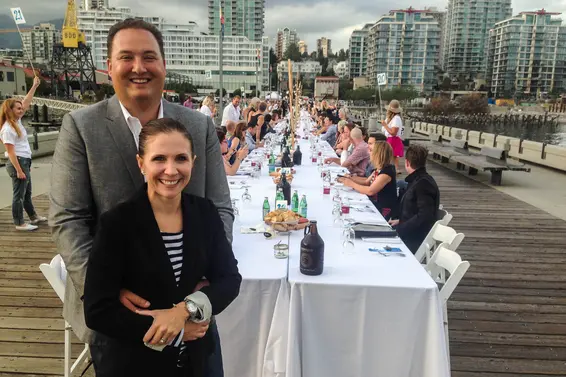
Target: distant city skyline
x=332 y=20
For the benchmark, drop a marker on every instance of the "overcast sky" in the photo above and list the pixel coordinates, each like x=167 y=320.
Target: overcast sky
x=311 y=18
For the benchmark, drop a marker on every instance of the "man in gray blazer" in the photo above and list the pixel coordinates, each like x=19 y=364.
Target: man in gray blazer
x=94 y=165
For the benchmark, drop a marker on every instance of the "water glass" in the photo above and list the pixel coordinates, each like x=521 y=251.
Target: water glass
x=235 y=207
x=246 y=197
x=281 y=251
x=348 y=237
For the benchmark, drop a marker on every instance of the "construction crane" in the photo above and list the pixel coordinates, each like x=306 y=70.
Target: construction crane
x=72 y=36
x=72 y=67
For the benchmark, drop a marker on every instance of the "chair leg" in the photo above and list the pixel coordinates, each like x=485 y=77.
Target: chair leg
x=82 y=357
x=68 y=330
x=446 y=334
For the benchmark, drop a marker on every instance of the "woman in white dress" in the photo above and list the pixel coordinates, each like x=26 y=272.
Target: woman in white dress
x=18 y=152
x=393 y=128
x=208 y=107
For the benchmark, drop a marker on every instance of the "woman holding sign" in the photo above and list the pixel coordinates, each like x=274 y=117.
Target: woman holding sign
x=18 y=151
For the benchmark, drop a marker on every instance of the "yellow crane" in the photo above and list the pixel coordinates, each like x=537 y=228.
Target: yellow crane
x=71 y=34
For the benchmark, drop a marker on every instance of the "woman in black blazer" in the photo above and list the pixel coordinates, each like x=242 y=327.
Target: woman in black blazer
x=159 y=245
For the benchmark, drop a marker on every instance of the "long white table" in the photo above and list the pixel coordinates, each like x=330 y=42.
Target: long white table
x=366 y=315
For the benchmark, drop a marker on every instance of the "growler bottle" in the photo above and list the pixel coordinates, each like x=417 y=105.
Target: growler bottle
x=312 y=251
x=285 y=187
x=297 y=156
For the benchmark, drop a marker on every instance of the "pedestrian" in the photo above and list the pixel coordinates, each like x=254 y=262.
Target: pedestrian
x=18 y=151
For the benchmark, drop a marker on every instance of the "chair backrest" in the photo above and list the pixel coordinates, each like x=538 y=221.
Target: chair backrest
x=445 y=260
x=443 y=216
x=437 y=235
x=56 y=275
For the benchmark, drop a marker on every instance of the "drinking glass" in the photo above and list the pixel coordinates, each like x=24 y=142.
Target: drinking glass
x=246 y=197
x=235 y=207
x=348 y=237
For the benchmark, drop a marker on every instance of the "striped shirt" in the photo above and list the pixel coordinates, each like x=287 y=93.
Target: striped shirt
x=174 y=247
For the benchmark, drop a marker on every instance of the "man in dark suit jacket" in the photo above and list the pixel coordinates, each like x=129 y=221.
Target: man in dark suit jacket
x=95 y=167
x=420 y=202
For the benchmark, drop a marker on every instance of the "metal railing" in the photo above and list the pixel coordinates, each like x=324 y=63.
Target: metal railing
x=54 y=104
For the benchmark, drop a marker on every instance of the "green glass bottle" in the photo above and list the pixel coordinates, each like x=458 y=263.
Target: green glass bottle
x=279 y=196
x=295 y=202
x=303 y=207
x=266 y=207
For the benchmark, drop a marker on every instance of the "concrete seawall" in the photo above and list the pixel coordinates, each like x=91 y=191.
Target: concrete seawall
x=543 y=154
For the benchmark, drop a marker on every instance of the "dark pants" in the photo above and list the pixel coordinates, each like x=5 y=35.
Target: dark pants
x=215 y=367
x=21 y=198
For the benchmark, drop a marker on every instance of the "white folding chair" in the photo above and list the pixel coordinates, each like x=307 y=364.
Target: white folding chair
x=56 y=275
x=445 y=260
x=443 y=216
x=437 y=235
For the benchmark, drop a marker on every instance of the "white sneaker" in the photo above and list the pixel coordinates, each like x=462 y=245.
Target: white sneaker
x=39 y=219
x=26 y=227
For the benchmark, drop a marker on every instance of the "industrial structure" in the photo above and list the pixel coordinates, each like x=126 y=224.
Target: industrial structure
x=71 y=64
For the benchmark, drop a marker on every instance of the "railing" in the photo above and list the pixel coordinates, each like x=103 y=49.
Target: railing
x=54 y=104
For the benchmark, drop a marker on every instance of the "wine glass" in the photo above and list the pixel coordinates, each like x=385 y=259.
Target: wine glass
x=246 y=197
x=235 y=207
x=348 y=237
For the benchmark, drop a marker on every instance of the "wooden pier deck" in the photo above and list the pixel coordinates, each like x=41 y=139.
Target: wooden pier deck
x=507 y=317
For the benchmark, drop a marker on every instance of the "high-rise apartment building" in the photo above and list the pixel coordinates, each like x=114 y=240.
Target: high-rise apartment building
x=440 y=17
x=325 y=45
x=358 y=51
x=38 y=42
x=93 y=4
x=285 y=37
x=187 y=51
x=241 y=18
x=303 y=48
x=405 y=45
x=527 y=55
x=467 y=34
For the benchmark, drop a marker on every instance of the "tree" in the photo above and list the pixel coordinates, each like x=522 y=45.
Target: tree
x=254 y=94
x=314 y=55
x=237 y=92
x=344 y=86
x=217 y=93
x=360 y=94
x=472 y=104
x=329 y=72
x=446 y=84
x=342 y=55
x=439 y=106
x=399 y=93
x=292 y=53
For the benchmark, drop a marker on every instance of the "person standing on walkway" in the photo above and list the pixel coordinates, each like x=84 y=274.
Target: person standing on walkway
x=393 y=129
x=232 y=111
x=18 y=152
x=95 y=167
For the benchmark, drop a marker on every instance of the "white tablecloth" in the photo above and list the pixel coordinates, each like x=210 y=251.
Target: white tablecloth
x=366 y=315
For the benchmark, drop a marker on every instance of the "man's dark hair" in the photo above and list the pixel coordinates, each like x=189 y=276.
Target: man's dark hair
x=267 y=118
x=134 y=23
x=416 y=155
x=378 y=136
x=221 y=134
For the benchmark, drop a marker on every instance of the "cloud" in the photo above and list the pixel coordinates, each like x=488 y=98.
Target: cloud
x=311 y=18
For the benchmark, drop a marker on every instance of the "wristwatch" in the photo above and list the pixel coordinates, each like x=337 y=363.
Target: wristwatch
x=193 y=309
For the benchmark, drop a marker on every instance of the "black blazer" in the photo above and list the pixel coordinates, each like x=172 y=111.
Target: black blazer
x=418 y=208
x=129 y=252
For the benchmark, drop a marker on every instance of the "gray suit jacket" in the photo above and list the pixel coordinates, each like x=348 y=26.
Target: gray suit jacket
x=95 y=168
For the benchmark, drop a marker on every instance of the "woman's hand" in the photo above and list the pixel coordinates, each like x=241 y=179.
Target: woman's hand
x=393 y=222
x=36 y=82
x=242 y=153
x=383 y=123
x=194 y=331
x=167 y=324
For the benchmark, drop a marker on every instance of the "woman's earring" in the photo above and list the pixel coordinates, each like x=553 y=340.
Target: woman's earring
x=143 y=172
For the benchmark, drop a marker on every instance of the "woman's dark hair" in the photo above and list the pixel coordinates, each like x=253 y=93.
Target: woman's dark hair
x=350 y=126
x=262 y=106
x=221 y=134
x=162 y=126
x=241 y=127
x=267 y=118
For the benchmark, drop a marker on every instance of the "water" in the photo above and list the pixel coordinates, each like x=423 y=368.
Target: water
x=555 y=134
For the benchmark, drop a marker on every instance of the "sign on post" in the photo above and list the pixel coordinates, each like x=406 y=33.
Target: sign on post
x=381 y=79
x=208 y=75
x=242 y=89
x=18 y=16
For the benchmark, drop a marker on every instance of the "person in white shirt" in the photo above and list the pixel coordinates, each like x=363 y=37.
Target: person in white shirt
x=208 y=107
x=18 y=152
x=232 y=111
x=393 y=128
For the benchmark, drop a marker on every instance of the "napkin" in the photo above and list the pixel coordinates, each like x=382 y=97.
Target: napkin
x=260 y=228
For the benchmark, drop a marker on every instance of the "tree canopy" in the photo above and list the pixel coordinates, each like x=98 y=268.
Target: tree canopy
x=293 y=53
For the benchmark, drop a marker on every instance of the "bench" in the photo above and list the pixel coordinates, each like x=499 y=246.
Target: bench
x=447 y=151
x=489 y=159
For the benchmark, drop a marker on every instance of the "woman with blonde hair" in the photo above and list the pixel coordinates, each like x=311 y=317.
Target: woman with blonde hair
x=381 y=186
x=341 y=126
x=208 y=107
x=18 y=152
x=393 y=129
x=251 y=109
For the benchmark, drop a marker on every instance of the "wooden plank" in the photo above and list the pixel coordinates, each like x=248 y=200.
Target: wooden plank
x=509 y=339
x=35 y=336
x=37 y=350
x=40 y=366
x=507 y=327
x=478 y=315
x=32 y=323
x=506 y=351
x=548 y=367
